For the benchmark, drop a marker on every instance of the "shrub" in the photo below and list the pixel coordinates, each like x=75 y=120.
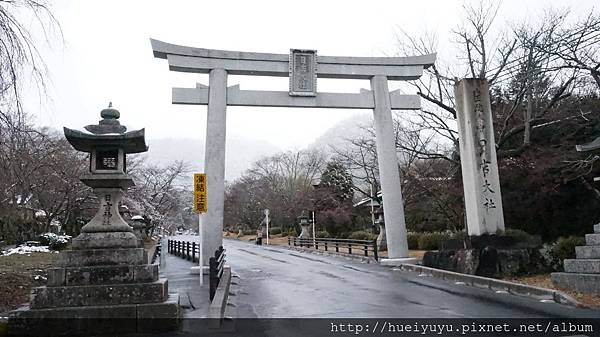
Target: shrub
x=413 y=240
x=322 y=234
x=521 y=236
x=292 y=232
x=563 y=248
x=342 y=235
x=55 y=242
x=274 y=230
x=362 y=235
x=249 y=232
x=460 y=235
x=432 y=240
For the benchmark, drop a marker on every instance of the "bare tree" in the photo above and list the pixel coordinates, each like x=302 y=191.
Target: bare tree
x=19 y=54
x=156 y=195
x=283 y=183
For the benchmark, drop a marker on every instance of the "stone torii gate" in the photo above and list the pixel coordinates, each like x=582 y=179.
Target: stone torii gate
x=303 y=67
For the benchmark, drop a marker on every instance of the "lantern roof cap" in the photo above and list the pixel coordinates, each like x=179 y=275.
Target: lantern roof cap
x=107 y=133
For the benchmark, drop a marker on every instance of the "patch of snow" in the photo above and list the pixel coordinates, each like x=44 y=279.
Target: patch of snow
x=26 y=250
x=137 y=217
x=40 y=277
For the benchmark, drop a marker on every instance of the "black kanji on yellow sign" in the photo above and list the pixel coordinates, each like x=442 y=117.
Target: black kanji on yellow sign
x=200 y=193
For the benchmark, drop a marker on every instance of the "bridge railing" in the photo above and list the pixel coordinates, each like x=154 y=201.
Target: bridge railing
x=215 y=271
x=184 y=249
x=366 y=247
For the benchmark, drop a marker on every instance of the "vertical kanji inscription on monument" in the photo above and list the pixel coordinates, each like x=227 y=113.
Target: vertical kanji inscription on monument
x=483 y=199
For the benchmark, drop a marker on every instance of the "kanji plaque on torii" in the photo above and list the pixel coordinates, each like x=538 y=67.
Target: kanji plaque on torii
x=303 y=72
x=303 y=67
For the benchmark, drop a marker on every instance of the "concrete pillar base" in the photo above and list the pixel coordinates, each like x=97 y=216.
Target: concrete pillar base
x=398 y=262
x=196 y=270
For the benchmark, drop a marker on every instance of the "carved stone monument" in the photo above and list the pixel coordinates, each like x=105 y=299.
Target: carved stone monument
x=583 y=273
x=483 y=199
x=106 y=274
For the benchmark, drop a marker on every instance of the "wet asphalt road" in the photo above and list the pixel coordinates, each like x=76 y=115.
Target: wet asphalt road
x=276 y=282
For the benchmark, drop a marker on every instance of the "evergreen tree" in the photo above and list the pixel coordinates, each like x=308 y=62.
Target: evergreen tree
x=336 y=179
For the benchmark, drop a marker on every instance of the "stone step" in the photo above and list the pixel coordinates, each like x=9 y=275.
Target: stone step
x=91 y=275
x=586 y=266
x=588 y=252
x=585 y=283
x=597 y=228
x=102 y=257
x=97 y=295
x=592 y=239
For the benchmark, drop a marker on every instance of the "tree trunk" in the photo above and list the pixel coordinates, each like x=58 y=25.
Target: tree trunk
x=527 y=117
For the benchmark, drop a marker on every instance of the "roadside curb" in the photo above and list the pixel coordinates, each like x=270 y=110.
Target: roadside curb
x=495 y=285
x=216 y=311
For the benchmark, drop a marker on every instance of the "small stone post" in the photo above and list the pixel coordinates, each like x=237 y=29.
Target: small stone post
x=483 y=199
x=381 y=239
x=163 y=251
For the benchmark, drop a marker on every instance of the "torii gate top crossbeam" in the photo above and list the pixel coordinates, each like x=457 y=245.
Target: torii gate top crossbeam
x=199 y=60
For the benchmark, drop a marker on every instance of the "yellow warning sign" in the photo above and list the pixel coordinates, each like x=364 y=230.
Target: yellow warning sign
x=200 y=193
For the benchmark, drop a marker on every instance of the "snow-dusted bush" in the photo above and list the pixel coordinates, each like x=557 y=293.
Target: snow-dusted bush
x=54 y=241
x=25 y=250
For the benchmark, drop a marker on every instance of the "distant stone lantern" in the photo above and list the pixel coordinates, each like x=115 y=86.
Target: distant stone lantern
x=381 y=239
x=305 y=225
x=108 y=144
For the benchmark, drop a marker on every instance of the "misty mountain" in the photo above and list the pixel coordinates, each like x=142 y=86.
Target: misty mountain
x=240 y=153
x=339 y=135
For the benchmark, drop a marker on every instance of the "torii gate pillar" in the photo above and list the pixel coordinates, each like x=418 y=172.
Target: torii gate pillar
x=214 y=163
x=395 y=225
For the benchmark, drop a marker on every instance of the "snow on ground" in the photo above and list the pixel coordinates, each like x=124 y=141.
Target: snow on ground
x=26 y=250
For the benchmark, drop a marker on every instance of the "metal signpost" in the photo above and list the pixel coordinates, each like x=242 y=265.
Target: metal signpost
x=200 y=207
x=313 y=227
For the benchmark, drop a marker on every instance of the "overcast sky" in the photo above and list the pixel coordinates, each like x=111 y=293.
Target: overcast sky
x=106 y=56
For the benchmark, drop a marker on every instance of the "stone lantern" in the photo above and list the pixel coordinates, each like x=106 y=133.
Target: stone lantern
x=305 y=225
x=106 y=274
x=381 y=239
x=108 y=144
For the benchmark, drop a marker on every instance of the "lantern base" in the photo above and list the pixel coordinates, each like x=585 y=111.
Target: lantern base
x=103 y=240
x=107 y=219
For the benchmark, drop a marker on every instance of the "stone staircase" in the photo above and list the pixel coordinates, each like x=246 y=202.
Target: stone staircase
x=583 y=273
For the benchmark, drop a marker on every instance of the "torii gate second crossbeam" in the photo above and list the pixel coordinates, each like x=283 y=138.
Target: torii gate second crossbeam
x=303 y=67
